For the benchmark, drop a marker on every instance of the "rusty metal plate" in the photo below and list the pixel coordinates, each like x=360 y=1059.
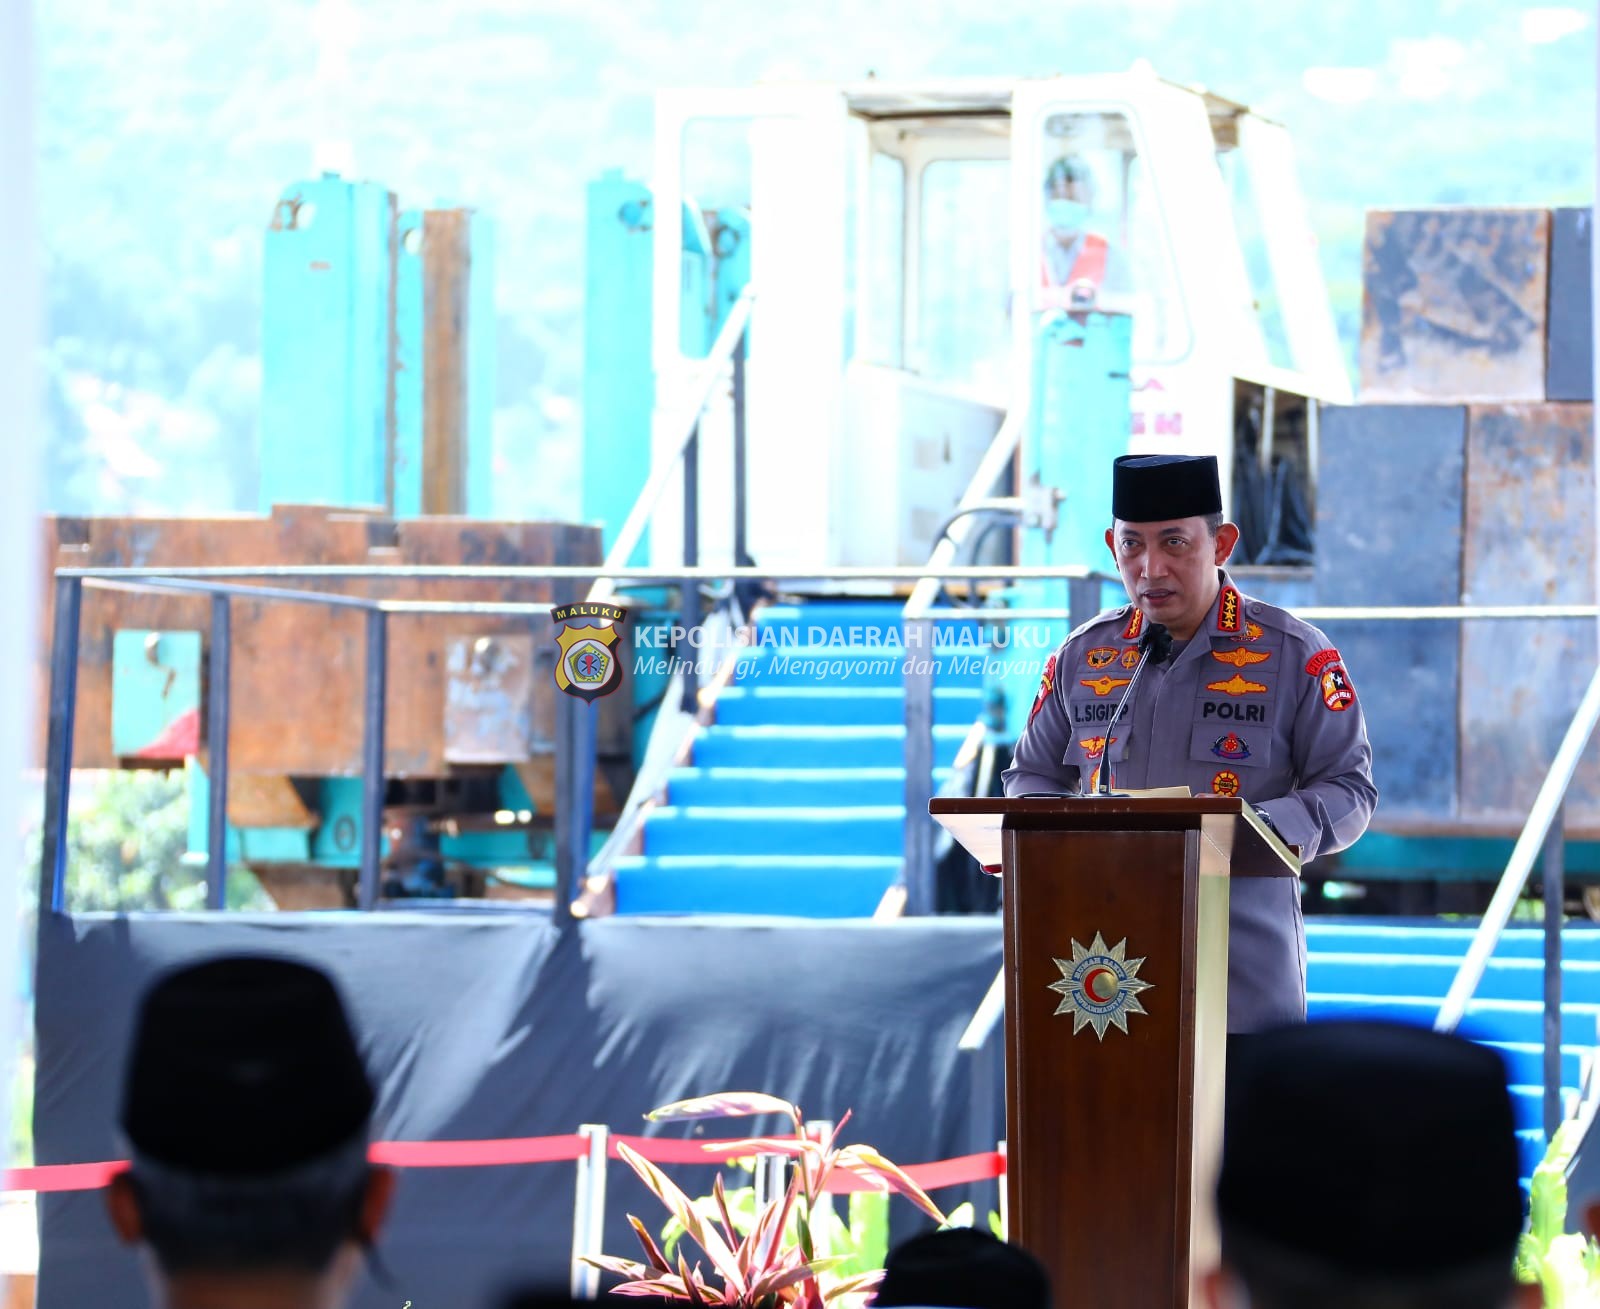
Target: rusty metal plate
x=1528 y=539
x=1453 y=305
x=488 y=703
x=297 y=671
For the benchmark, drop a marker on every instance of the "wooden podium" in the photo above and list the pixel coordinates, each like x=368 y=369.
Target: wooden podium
x=1116 y=967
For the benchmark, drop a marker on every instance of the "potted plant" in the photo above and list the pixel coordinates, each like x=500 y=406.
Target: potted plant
x=771 y=1262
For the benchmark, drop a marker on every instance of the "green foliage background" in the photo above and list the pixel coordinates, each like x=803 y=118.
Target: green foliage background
x=169 y=128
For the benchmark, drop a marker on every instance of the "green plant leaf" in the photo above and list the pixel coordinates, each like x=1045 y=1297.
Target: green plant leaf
x=691 y=1281
x=665 y=1285
x=963 y=1215
x=778 y=1280
x=683 y=1209
x=725 y=1104
x=652 y=1252
x=857 y=1284
x=611 y=1264
x=864 y=1161
x=869 y=1229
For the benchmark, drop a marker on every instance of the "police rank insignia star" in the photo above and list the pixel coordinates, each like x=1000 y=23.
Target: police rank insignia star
x=1105 y=685
x=1100 y=986
x=1228 y=610
x=587 y=665
x=1237 y=685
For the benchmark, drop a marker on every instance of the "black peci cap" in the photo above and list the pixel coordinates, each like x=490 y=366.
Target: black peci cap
x=1158 y=488
x=1372 y=1148
x=243 y=1067
x=961 y=1266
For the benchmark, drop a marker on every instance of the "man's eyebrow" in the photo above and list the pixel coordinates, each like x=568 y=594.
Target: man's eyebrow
x=1174 y=529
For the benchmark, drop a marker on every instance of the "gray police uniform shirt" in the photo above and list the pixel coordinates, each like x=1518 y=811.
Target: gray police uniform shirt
x=1259 y=705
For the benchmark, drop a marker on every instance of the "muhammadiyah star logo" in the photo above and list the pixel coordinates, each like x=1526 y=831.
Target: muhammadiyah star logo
x=1100 y=987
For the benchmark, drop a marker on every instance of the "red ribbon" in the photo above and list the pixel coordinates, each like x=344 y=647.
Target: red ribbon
x=55 y=1178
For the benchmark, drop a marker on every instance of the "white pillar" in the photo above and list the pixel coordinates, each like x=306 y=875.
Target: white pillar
x=19 y=523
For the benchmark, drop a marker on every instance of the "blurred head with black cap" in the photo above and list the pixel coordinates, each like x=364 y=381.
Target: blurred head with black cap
x=1168 y=536
x=961 y=1266
x=247 y=1115
x=1368 y=1166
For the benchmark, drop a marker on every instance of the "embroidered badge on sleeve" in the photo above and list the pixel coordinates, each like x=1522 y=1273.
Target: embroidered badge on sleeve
x=1046 y=685
x=1334 y=683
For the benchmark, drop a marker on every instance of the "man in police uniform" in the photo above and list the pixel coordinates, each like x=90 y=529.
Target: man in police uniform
x=1251 y=702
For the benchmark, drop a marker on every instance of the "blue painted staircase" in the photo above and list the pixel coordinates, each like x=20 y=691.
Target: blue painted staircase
x=794 y=801
x=1401 y=970
x=793 y=805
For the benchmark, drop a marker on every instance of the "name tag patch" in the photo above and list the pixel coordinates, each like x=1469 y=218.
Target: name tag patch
x=1239 y=713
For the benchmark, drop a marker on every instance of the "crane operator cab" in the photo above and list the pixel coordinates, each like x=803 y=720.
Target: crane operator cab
x=1112 y=263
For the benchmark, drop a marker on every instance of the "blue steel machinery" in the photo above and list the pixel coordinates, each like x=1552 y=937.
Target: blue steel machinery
x=378 y=376
x=378 y=370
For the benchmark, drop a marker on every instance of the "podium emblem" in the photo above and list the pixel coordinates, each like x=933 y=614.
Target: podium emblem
x=1100 y=986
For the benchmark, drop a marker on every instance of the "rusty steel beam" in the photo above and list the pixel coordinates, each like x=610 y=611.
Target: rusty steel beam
x=446 y=277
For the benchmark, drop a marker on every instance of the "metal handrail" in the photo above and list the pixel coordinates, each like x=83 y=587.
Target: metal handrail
x=1547 y=804
x=551 y=572
x=1002 y=449
x=723 y=353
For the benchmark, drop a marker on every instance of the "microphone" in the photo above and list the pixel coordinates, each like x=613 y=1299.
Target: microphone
x=1155 y=645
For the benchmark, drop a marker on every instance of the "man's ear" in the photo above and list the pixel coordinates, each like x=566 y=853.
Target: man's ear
x=1110 y=544
x=375 y=1200
x=1227 y=539
x=122 y=1206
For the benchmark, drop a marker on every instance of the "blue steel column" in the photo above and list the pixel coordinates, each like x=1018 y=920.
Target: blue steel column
x=58 y=757
x=372 y=781
x=217 y=715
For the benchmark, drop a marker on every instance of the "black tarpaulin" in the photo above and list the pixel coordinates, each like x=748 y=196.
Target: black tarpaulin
x=496 y=1025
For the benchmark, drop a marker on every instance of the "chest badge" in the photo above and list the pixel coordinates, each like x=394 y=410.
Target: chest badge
x=1095 y=746
x=1101 y=656
x=1130 y=657
x=1106 y=685
x=1230 y=746
x=1240 y=657
x=1237 y=685
x=1100 y=986
x=1225 y=783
